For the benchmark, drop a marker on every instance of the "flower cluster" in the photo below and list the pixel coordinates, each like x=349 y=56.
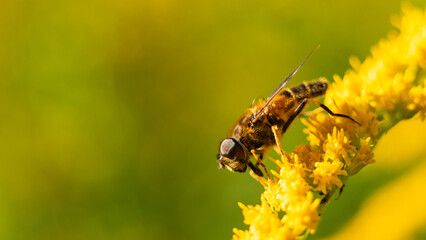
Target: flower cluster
x=387 y=87
x=264 y=223
x=288 y=192
x=390 y=82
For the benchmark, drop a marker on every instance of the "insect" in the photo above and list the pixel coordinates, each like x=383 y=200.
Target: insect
x=263 y=124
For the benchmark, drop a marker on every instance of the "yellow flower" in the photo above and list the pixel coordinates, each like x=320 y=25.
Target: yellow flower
x=289 y=187
x=417 y=97
x=336 y=146
x=288 y=192
x=321 y=125
x=264 y=223
x=303 y=215
x=363 y=157
x=327 y=174
x=309 y=155
x=378 y=93
x=383 y=82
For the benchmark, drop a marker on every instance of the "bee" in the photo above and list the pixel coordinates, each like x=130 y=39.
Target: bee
x=263 y=124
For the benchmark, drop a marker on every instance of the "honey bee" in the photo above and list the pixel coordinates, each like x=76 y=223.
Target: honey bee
x=263 y=124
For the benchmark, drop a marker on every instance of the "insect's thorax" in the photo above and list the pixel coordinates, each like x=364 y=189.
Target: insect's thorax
x=259 y=136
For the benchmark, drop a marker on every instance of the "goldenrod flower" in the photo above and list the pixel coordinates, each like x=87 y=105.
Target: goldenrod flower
x=264 y=223
x=306 y=152
x=302 y=215
x=289 y=186
x=327 y=174
x=378 y=93
x=338 y=145
x=417 y=97
x=290 y=193
x=363 y=157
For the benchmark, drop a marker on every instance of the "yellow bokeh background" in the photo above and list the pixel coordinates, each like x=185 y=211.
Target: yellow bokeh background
x=112 y=112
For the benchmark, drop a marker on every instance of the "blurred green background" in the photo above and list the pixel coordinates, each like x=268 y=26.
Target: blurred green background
x=112 y=111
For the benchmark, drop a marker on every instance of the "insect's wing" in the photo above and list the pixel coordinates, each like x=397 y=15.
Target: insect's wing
x=281 y=86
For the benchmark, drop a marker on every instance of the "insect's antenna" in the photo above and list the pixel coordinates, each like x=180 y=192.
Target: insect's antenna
x=281 y=86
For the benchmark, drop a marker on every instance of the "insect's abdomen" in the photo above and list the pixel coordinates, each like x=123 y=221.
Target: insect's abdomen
x=310 y=90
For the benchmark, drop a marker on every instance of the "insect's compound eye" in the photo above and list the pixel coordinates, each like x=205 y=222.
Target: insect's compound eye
x=232 y=149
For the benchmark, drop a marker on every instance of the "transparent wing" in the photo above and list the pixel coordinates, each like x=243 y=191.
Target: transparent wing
x=281 y=86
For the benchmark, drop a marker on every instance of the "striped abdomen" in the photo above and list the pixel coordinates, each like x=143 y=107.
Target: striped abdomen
x=284 y=105
x=307 y=90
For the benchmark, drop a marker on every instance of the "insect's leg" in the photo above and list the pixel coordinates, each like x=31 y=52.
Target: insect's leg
x=277 y=140
x=294 y=114
x=332 y=113
x=255 y=169
x=259 y=160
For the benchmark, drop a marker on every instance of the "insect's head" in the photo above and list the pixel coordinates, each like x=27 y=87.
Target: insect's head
x=232 y=155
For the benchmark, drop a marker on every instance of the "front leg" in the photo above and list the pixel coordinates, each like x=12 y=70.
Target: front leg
x=259 y=160
x=255 y=169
